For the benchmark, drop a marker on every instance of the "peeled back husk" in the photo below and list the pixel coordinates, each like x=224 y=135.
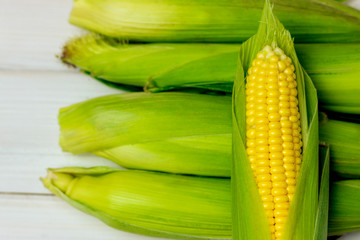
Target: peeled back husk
x=202 y=145
x=215 y=20
x=165 y=66
x=304 y=219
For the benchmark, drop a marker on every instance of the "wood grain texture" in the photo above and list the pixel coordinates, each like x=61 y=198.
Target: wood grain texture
x=353 y=3
x=46 y=217
x=29 y=104
x=33 y=86
x=33 y=32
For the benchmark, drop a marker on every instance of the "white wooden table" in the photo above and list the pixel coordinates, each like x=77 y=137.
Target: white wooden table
x=33 y=86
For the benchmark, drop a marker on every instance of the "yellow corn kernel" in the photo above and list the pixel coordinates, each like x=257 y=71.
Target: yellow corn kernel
x=282 y=206
x=262 y=149
x=275 y=148
x=251 y=143
x=289 y=167
x=273 y=132
x=262 y=156
x=262 y=141
x=278 y=191
x=276 y=162
x=251 y=151
x=279 y=185
x=265 y=185
x=274 y=102
x=278 y=177
x=273 y=141
x=267 y=198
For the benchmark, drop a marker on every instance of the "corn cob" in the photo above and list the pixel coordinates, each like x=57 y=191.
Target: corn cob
x=159 y=67
x=155 y=204
x=275 y=173
x=144 y=128
x=138 y=118
x=273 y=136
x=204 y=152
x=186 y=207
x=214 y=21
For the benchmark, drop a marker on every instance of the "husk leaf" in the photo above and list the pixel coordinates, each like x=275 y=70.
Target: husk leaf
x=344 y=215
x=322 y=214
x=207 y=155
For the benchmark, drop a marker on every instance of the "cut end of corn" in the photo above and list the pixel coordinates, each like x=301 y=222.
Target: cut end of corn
x=273 y=137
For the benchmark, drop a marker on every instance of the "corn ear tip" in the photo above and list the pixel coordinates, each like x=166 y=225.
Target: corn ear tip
x=74 y=45
x=88 y=44
x=66 y=55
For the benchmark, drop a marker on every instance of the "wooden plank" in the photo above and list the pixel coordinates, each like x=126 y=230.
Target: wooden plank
x=351 y=236
x=20 y=173
x=48 y=217
x=353 y=3
x=29 y=103
x=33 y=32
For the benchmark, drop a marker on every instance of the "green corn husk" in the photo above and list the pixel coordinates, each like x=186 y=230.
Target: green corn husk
x=304 y=218
x=344 y=210
x=155 y=204
x=161 y=204
x=214 y=21
x=157 y=67
x=140 y=117
x=161 y=67
x=335 y=74
x=344 y=139
x=176 y=132
x=204 y=149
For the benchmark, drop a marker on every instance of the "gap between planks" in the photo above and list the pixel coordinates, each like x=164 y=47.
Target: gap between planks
x=26 y=194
